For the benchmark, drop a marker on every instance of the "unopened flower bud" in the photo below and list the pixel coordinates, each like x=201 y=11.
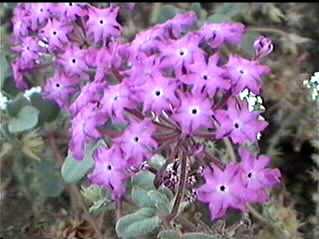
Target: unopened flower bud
x=263 y=47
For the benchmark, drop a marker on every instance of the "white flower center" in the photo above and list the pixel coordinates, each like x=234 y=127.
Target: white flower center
x=194 y=110
x=182 y=52
x=222 y=188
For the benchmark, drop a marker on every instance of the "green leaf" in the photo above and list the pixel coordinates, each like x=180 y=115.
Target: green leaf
x=164 y=13
x=49 y=110
x=157 y=161
x=168 y=234
x=92 y=193
x=74 y=170
x=137 y=224
x=141 y=198
x=101 y=206
x=144 y=180
x=195 y=235
x=226 y=12
x=4 y=69
x=26 y=119
x=15 y=106
x=160 y=201
x=197 y=8
x=167 y=192
x=49 y=180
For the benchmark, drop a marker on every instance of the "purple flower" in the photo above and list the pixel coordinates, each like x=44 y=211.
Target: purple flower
x=110 y=171
x=148 y=41
x=180 y=24
x=116 y=98
x=263 y=47
x=181 y=53
x=73 y=61
x=137 y=143
x=102 y=24
x=29 y=50
x=194 y=112
x=217 y=34
x=158 y=93
x=39 y=14
x=69 y=11
x=91 y=92
x=206 y=76
x=222 y=190
x=238 y=123
x=55 y=34
x=142 y=69
x=60 y=88
x=255 y=176
x=18 y=76
x=101 y=59
x=84 y=128
x=20 y=21
x=246 y=74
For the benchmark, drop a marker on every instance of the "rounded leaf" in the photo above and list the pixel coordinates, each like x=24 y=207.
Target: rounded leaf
x=26 y=119
x=137 y=224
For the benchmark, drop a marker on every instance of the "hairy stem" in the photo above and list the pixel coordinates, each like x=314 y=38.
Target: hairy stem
x=181 y=187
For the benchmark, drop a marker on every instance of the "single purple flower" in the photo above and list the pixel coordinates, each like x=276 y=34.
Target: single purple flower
x=73 y=61
x=39 y=14
x=116 y=98
x=110 y=171
x=91 y=92
x=101 y=60
x=263 y=47
x=206 y=76
x=255 y=176
x=217 y=34
x=137 y=143
x=181 y=53
x=102 y=24
x=158 y=93
x=55 y=34
x=180 y=24
x=68 y=11
x=194 y=112
x=21 y=21
x=142 y=69
x=29 y=50
x=222 y=190
x=84 y=128
x=246 y=74
x=148 y=41
x=238 y=123
x=60 y=88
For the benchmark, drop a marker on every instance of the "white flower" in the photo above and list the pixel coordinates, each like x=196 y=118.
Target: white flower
x=313 y=86
x=254 y=101
x=3 y=101
x=28 y=93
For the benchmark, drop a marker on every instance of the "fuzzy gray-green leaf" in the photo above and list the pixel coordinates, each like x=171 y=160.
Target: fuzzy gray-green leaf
x=26 y=119
x=138 y=223
x=195 y=235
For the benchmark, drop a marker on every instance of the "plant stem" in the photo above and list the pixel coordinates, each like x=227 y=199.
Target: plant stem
x=118 y=209
x=181 y=187
x=230 y=150
x=269 y=30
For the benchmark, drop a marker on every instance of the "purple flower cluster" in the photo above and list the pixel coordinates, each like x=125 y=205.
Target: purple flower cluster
x=238 y=184
x=168 y=87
